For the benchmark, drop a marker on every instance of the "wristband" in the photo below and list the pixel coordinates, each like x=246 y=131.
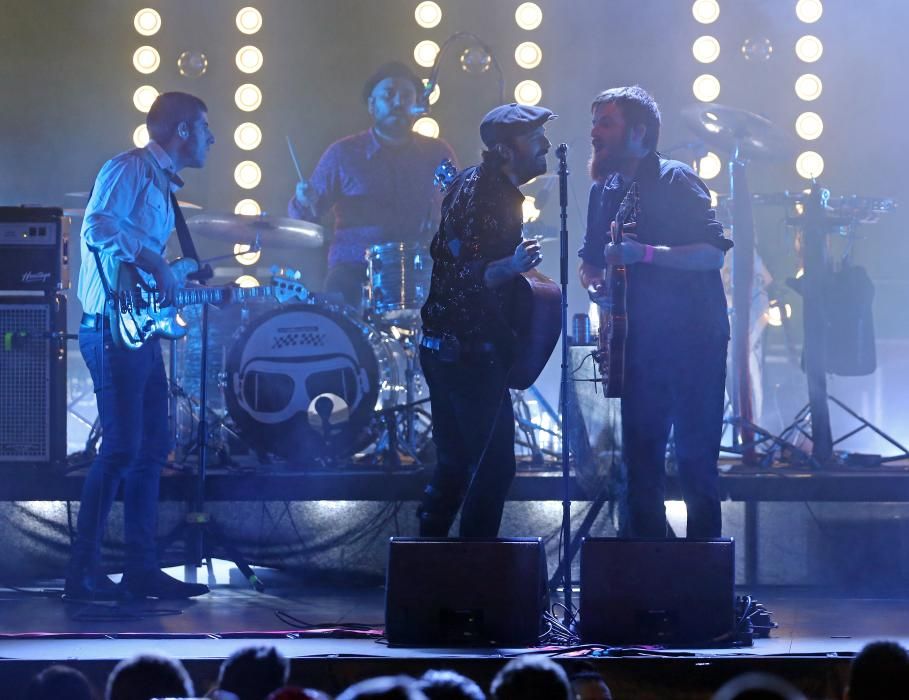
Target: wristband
x=648 y=254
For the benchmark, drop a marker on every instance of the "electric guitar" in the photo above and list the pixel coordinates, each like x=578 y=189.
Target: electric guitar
x=534 y=315
x=610 y=353
x=136 y=315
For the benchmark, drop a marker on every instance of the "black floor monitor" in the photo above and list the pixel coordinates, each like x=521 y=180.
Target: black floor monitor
x=669 y=592
x=465 y=592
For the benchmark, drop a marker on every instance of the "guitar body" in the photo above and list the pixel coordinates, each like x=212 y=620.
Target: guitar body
x=613 y=333
x=136 y=317
x=536 y=322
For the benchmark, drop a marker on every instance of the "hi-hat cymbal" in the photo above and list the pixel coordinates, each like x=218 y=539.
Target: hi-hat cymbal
x=729 y=128
x=271 y=230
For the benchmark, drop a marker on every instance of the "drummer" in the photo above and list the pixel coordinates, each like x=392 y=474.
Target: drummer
x=379 y=182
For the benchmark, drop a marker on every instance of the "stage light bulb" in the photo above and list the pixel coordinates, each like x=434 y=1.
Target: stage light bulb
x=246 y=281
x=809 y=125
x=248 y=174
x=705 y=11
x=147 y=22
x=714 y=199
x=140 y=136
x=528 y=55
x=144 y=97
x=248 y=97
x=427 y=126
x=244 y=256
x=248 y=136
x=249 y=20
x=428 y=14
x=436 y=92
x=809 y=165
x=146 y=59
x=809 y=11
x=248 y=207
x=710 y=166
x=529 y=209
x=808 y=87
x=425 y=53
x=706 y=49
x=529 y=16
x=706 y=87
x=528 y=92
x=249 y=59
x=809 y=48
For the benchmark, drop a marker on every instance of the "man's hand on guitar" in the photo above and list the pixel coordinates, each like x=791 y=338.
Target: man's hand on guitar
x=526 y=256
x=598 y=292
x=628 y=252
x=165 y=283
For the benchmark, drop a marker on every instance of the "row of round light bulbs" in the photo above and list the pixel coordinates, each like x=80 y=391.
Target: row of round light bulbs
x=808 y=87
x=527 y=55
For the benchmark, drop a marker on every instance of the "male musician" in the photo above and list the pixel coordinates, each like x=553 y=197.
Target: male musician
x=465 y=352
x=675 y=358
x=128 y=219
x=379 y=182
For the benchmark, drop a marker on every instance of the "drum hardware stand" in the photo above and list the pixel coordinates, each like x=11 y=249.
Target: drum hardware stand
x=816 y=223
x=391 y=448
x=526 y=425
x=199 y=531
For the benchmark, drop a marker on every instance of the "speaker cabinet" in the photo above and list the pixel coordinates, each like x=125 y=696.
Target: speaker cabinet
x=465 y=592
x=32 y=379
x=670 y=592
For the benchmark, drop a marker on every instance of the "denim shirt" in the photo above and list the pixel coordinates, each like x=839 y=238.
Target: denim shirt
x=674 y=211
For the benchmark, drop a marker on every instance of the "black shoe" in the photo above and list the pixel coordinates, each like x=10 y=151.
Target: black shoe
x=156 y=584
x=86 y=587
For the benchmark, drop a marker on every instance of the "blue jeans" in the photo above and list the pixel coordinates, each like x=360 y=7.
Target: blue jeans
x=132 y=394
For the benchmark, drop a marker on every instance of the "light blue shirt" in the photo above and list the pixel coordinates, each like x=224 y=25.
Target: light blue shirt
x=129 y=209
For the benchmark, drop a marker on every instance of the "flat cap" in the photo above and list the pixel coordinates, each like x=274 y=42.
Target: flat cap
x=505 y=121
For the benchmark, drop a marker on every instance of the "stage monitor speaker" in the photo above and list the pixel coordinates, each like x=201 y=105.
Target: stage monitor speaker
x=669 y=592
x=465 y=592
x=32 y=378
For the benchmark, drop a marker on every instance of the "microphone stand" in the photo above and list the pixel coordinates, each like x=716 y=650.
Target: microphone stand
x=562 y=152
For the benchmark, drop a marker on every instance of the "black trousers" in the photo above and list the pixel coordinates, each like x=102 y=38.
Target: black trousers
x=675 y=384
x=471 y=411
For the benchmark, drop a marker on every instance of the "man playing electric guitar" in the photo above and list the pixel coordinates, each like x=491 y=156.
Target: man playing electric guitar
x=129 y=219
x=677 y=328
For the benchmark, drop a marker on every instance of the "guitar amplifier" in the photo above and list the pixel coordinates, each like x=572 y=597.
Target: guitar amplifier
x=32 y=378
x=34 y=249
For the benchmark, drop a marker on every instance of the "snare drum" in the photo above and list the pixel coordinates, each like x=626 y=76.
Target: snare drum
x=398 y=276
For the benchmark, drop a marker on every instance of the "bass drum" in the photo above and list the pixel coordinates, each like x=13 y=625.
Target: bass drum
x=304 y=382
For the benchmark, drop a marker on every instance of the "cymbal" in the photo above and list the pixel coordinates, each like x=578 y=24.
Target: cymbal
x=84 y=195
x=272 y=230
x=729 y=128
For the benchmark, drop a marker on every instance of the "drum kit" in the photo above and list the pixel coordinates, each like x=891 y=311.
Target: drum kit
x=312 y=384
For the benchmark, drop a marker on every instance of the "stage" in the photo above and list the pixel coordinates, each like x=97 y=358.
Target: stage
x=337 y=639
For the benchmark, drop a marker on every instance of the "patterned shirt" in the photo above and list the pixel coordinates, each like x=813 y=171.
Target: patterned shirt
x=129 y=209
x=481 y=222
x=378 y=193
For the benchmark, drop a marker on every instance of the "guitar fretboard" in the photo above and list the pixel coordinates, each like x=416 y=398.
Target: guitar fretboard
x=216 y=295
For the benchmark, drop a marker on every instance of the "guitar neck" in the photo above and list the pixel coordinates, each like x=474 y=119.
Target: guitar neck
x=188 y=296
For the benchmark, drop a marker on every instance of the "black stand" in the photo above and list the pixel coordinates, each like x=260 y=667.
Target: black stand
x=567 y=554
x=199 y=531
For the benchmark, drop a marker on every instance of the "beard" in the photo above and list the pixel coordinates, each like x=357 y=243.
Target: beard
x=602 y=164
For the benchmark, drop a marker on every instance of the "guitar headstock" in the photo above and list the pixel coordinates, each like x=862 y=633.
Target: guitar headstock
x=287 y=285
x=444 y=174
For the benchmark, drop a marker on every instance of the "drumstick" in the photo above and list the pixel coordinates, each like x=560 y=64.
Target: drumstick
x=293 y=157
